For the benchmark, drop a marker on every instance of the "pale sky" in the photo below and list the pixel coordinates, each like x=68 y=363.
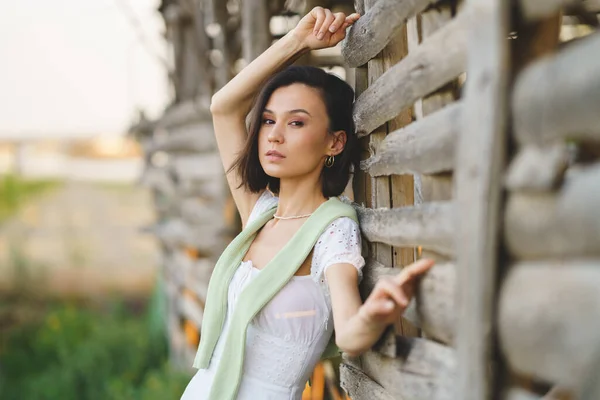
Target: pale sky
x=75 y=67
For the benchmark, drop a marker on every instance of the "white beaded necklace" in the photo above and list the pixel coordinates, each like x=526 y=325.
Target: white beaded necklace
x=292 y=217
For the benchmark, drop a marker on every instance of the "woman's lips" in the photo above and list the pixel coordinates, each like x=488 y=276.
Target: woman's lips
x=273 y=155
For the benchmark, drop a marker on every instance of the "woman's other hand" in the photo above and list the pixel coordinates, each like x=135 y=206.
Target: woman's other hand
x=321 y=28
x=391 y=295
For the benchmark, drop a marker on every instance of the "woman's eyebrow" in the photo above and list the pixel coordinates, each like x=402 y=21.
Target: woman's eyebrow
x=294 y=111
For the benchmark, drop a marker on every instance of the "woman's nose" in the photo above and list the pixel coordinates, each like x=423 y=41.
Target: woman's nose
x=275 y=135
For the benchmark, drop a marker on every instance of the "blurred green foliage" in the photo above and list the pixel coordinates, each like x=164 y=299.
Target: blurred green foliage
x=14 y=191
x=76 y=352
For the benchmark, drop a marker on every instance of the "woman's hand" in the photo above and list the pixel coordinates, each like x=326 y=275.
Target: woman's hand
x=391 y=296
x=321 y=28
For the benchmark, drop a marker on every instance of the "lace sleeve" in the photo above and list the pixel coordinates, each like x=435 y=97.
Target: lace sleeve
x=339 y=243
x=264 y=202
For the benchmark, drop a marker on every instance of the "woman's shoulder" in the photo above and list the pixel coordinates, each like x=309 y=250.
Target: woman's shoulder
x=265 y=201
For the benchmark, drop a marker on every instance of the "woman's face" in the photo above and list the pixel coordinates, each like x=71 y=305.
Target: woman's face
x=293 y=140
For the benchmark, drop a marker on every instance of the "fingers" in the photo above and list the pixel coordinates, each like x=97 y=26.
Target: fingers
x=377 y=310
x=329 y=18
x=389 y=288
x=339 y=19
x=318 y=14
x=413 y=270
x=326 y=21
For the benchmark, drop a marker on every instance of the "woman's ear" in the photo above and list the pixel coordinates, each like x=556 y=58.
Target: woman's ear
x=338 y=142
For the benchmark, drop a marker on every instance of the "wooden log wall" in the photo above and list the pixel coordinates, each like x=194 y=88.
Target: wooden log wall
x=506 y=172
x=497 y=179
x=409 y=114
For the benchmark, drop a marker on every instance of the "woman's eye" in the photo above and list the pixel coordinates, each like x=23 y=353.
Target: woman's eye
x=268 y=121
x=297 y=123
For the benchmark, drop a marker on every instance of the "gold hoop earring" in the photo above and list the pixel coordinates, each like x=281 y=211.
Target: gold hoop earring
x=329 y=161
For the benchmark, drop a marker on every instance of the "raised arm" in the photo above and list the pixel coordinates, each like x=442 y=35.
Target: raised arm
x=229 y=106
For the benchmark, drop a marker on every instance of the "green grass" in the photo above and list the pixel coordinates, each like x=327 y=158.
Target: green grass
x=65 y=350
x=14 y=191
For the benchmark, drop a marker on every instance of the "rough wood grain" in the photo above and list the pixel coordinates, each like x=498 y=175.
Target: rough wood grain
x=185 y=112
x=546 y=225
x=549 y=319
x=423 y=147
x=566 y=109
x=377 y=27
x=517 y=393
x=198 y=167
x=481 y=154
x=538 y=168
x=432 y=309
x=190 y=138
x=422 y=71
x=422 y=370
x=430 y=225
x=190 y=309
x=534 y=9
x=360 y=386
x=256 y=36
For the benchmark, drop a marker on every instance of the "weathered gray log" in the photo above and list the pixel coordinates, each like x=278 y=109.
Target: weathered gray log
x=423 y=147
x=255 y=29
x=517 y=393
x=566 y=109
x=422 y=369
x=359 y=386
x=184 y=113
x=549 y=319
x=535 y=9
x=538 y=168
x=158 y=179
x=430 y=225
x=176 y=233
x=197 y=137
x=480 y=159
x=432 y=309
x=547 y=225
x=190 y=309
x=377 y=27
x=200 y=167
x=436 y=61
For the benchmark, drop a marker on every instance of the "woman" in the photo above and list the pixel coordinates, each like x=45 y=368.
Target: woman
x=297 y=262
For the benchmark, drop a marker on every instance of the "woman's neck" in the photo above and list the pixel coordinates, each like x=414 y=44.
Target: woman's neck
x=299 y=197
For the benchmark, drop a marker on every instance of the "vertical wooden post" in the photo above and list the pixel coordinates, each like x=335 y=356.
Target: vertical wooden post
x=478 y=187
x=256 y=36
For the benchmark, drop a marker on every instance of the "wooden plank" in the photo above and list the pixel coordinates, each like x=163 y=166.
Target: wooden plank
x=216 y=17
x=433 y=307
x=422 y=369
x=402 y=186
x=423 y=147
x=538 y=168
x=377 y=27
x=422 y=71
x=566 y=109
x=481 y=154
x=191 y=310
x=549 y=319
x=546 y=225
x=360 y=386
x=185 y=113
x=190 y=138
x=536 y=9
x=256 y=36
x=380 y=189
x=197 y=167
x=430 y=225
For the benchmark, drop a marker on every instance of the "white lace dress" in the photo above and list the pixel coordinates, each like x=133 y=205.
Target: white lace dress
x=285 y=340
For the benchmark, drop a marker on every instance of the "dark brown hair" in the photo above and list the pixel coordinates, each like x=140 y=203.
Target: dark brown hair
x=338 y=97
